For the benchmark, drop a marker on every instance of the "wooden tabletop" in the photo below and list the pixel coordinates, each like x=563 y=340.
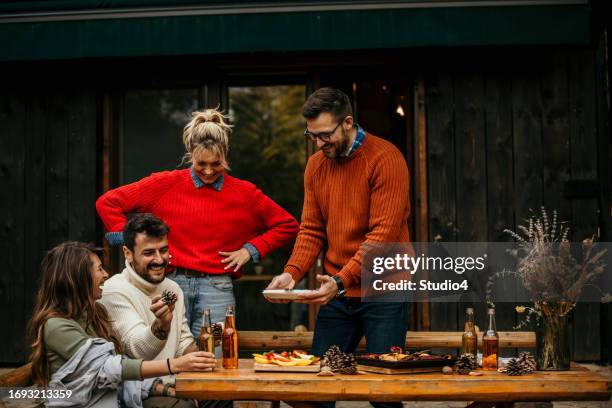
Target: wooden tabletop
x=245 y=384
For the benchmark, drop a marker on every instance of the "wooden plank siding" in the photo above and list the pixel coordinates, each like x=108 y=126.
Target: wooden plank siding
x=82 y=166
x=500 y=186
x=57 y=170
x=470 y=178
x=12 y=219
x=503 y=142
x=35 y=202
x=603 y=73
x=439 y=99
x=49 y=173
x=502 y=138
x=585 y=211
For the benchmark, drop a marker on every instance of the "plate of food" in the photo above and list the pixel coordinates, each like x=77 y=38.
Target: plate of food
x=285 y=294
x=399 y=362
x=292 y=361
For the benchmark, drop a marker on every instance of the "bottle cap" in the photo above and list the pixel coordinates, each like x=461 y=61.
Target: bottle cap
x=469 y=310
x=491 y=311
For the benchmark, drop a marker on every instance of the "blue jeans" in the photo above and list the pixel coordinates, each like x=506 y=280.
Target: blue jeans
x=214 y=292
x=342 y=322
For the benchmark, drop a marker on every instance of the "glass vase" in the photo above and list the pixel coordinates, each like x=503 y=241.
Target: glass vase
x=552 y=337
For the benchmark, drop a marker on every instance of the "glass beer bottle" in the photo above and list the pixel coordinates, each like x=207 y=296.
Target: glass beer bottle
x=490 y=343
x=469 y=340
x=230 y=340
x=206 y=340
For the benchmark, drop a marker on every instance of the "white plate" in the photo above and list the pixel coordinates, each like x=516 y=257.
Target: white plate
x=285 y=294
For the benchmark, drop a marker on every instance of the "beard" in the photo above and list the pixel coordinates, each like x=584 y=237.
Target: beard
x=152 y=272
x=336 y=149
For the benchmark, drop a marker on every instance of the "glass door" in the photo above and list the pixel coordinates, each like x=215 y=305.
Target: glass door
x=267 y=148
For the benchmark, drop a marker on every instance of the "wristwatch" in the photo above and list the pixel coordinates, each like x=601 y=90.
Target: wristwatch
x=340 y=284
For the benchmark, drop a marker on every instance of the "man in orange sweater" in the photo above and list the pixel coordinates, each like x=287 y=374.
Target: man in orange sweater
x=355 y=191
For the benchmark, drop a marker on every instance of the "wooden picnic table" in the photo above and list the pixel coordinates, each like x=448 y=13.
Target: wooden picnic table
x=245 y=384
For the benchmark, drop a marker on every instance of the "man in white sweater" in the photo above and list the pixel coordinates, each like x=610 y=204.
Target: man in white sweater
x=149 y=327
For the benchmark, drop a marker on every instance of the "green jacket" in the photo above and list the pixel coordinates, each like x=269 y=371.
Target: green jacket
x=63 y=337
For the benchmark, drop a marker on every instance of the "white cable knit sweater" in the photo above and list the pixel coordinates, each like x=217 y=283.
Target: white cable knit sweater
x=127 y=297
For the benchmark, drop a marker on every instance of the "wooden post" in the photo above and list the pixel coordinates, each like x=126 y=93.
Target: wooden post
x=420 y=177
x=110 y=129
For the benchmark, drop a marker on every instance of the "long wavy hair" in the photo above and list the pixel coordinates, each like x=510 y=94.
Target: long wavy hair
x=66 y=291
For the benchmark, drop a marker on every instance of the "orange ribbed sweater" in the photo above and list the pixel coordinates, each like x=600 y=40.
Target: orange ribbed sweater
x=349 y=201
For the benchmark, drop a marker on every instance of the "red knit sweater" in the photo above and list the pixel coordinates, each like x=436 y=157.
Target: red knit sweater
x=348 y=202
x=202 y=221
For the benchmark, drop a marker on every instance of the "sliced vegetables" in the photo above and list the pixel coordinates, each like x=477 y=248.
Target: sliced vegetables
x=286 y=359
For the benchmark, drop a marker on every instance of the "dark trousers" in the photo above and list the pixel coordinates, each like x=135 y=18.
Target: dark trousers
x=343 y=322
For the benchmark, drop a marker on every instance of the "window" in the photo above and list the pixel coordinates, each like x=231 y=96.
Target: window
x=267 y=148
x=152 y=130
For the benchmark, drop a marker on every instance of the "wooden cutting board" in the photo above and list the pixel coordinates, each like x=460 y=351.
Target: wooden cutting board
x=315 y=368
x=384 y=370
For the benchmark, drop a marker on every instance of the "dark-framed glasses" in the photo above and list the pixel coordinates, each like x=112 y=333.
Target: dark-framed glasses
x=323 y=136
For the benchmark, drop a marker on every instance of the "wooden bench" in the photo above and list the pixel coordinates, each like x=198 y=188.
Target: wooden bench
x=288 y=340
x=267 y=340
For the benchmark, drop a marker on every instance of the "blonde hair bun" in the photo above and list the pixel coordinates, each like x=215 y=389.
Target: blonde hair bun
x=210 y=115
x=208 y=130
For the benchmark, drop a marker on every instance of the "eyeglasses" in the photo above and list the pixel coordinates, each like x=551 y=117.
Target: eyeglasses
x=324 y=136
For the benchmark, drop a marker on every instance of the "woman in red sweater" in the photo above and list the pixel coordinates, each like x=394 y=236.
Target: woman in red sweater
x=217 y=222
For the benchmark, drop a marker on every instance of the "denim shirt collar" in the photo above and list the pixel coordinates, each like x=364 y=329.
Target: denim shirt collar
x=217 y=185
x=357 y=142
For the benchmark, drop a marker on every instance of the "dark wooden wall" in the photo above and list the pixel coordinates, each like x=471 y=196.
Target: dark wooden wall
x=506 y=139
x=505 y=134
x=48 y=174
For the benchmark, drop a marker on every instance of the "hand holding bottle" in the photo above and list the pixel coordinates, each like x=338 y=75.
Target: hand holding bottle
x=196 y=361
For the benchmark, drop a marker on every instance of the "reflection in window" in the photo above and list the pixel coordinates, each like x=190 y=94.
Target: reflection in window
x=267 y=148
x=153 y=124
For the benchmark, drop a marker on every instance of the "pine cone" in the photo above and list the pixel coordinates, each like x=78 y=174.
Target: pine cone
x=169 y=297
x=514 y=367
x=330 y=358
x=527 y=361
x=465 y=363
x=348 y=370
x=338 y=361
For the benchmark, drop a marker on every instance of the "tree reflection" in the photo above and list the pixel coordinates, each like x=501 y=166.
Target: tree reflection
x=268 y=149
